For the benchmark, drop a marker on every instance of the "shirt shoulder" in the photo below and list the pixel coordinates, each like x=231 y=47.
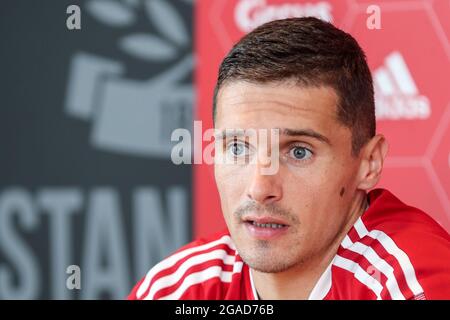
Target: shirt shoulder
x=207 y=268
x=395 y=251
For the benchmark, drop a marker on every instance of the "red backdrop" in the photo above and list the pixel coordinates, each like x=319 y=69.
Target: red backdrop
x=410 y=61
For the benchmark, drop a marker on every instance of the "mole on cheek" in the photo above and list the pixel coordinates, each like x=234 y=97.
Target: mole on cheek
x=342 y=191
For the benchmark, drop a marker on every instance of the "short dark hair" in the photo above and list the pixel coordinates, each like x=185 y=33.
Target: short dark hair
x=311 y=52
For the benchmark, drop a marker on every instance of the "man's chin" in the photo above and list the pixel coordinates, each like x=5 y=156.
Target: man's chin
x=268 y=268
x=265 y=261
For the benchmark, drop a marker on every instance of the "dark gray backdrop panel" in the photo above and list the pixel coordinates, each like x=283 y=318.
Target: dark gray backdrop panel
x=86 y=116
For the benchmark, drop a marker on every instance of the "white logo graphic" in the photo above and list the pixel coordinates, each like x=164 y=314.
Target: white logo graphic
x=250 y=14
x=129 y=115
x=396 y=94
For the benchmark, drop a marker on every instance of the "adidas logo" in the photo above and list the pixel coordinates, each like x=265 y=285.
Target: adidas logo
x=396 y=94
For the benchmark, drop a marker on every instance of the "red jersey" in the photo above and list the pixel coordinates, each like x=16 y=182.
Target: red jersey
x=393 y=251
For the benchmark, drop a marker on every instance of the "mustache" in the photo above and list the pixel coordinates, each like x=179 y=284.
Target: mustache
x=271 y=209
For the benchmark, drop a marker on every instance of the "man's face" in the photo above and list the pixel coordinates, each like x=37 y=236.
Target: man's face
x=282 y=220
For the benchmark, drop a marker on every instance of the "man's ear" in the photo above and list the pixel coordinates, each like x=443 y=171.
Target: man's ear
x=372 y=158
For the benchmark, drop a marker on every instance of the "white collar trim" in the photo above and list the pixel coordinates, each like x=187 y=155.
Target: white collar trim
x=319 y=291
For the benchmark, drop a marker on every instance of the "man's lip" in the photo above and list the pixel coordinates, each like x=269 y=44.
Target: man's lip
x=264 y=220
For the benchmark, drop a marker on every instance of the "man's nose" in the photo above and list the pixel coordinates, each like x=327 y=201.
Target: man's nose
x=264 y=188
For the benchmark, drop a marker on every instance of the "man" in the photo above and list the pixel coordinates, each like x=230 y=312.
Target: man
x=313 y=229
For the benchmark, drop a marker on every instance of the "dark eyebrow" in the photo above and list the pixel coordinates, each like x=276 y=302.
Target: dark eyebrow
x=287 y=132
x=229 y=133
x=305 y=132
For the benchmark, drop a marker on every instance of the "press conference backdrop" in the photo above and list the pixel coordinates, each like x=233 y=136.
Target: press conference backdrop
x=86 y=177
x=408 y=50
x=86 y=117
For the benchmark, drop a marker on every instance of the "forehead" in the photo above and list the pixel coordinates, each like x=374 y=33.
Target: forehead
x=275 y=105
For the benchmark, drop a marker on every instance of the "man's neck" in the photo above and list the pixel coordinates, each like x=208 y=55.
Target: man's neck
x=299 y=281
